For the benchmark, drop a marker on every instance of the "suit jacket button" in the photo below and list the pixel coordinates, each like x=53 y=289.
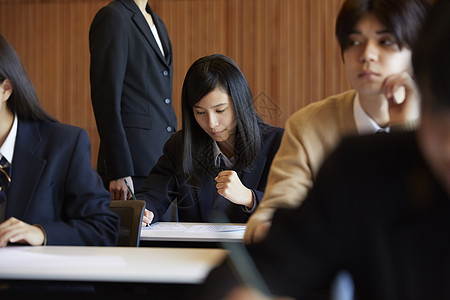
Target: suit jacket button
x=165 y=72
x=169 y=129
x=167 y=101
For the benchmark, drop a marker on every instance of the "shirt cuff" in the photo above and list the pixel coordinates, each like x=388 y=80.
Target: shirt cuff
x=250 y=211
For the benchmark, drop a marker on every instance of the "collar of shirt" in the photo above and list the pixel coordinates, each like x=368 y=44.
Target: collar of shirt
x=216 y=151
x=7 y=149
x=364 y=123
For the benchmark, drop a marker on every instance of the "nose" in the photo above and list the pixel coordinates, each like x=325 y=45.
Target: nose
x=369 y=52
x=213 y=121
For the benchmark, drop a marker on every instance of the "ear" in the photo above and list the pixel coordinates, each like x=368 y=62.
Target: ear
x=6 y=90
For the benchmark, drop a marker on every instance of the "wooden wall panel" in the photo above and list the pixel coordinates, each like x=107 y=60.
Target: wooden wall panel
x=285 y=48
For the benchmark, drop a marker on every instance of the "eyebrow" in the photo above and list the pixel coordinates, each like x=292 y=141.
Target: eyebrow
x=220 y=104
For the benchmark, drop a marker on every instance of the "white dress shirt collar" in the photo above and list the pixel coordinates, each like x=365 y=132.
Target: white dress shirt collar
x=216 y=151
x=364 y=123
x=7 y=149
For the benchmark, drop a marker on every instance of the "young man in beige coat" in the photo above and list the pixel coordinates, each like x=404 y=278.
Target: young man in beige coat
x=376 y=37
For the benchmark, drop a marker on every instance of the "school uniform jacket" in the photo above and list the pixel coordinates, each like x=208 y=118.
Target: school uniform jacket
x=54 y=185
x=194 y=196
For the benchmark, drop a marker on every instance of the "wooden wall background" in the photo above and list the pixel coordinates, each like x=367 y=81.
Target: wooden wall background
x=285 y=48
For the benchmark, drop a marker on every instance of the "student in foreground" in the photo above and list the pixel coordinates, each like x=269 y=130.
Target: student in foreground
x=376 y=39
x=50 y=195
x=380 y=207
x=221 y=158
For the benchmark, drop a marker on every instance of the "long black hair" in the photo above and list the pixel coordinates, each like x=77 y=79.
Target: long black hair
x=205 y=75
x=23 y=100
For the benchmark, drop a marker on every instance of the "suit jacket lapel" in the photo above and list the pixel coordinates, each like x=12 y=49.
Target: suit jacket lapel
x=144 y=28
x=26 y=169
x=206 y=196
x=252 y=178
x=163 y=36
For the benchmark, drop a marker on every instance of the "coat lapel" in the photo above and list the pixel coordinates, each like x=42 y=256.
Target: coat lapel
x=206 y=197
x=163 y=36
x=252 y=177
x=26 y=169
x=144 y=28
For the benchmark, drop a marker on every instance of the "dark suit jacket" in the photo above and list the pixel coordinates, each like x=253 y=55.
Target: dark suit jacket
x=131 y=90
x=377 y=211
x=54 y=185
x=194 y=197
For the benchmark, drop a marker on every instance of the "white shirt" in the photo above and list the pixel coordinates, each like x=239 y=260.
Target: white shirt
x=7 y=149
x=158 y=40
x=216 y=152
x=364 y=123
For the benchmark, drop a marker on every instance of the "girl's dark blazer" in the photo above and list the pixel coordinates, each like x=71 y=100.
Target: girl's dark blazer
x=54 y=185
x=167 y=182
x=131 y=89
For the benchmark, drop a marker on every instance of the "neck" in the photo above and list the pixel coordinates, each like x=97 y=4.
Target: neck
x=141 y=4
x=377 y=107
x=6 y=122
x=227 y=148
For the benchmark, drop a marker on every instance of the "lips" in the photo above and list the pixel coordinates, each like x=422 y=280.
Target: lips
x=368 y=74
x=216 y=133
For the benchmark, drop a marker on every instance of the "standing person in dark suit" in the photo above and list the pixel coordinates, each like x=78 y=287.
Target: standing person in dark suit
x=49 y=194
x=131 y=91
x=380 y=207
x=221 y=158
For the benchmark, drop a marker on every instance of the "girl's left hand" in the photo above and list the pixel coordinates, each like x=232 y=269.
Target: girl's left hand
x=230 y=186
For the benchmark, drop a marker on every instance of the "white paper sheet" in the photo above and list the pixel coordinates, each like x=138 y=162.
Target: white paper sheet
x=216 y=228
x=18 y=257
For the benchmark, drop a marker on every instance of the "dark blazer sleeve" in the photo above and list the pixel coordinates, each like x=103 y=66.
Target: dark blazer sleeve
x=55 y=186
x=108 y=43
x=161 y=187
x=86 y=217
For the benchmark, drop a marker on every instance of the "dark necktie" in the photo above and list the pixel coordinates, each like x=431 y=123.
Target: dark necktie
x=381 y=131
x=217 y=199
x=5 y=179
x=221 y=163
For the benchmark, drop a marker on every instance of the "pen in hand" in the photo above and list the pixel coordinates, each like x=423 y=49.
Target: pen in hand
x=133 y=196
x=129 y=189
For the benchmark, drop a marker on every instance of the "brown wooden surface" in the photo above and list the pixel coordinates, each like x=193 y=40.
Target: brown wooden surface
x=285 y=48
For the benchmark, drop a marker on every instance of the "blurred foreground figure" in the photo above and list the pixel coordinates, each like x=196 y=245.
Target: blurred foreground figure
x=380 y=207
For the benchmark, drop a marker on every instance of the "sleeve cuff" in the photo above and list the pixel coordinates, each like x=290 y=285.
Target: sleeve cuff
x=250 y=210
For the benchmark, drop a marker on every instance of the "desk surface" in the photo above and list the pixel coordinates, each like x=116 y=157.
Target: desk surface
x=193 y=232
x=109 y=264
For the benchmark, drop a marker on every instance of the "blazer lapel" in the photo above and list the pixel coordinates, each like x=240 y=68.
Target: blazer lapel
x=144 y=28
x=26 y=169
x=206 y=198
x=163 y=36
x=252 y=178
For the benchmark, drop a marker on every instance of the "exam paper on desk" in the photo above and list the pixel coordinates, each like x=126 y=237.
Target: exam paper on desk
x=195 y=228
